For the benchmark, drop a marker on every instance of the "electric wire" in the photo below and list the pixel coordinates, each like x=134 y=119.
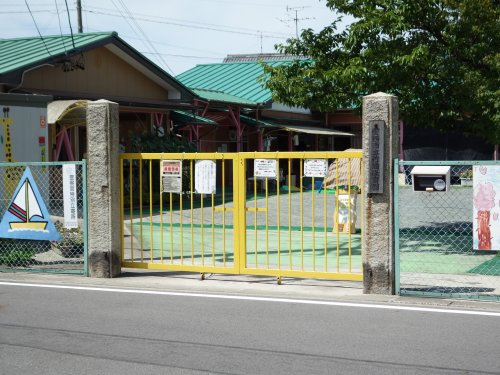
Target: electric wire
x=141 y=31
x=60 y=28
x=187 y=23
x=70 y=28
x=184 y=56
x=37 y=29
x=193 y=26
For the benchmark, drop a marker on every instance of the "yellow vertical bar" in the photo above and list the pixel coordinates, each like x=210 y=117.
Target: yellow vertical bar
x=289 y=216
x=349 y=218
x=278 y=214
x=181 y=228
x=151 y=247
x=161 y=216
x=362 y=210
x=325 y=226
x=131 y=205
x=122 y=214
x=239 y=181
x=267 y=227
x=301 y=216
x=192 y=208
x=202 y=230
x=213 y=230
x=313 y=231
x=140 y=210
x=171 y=229
x=337 y=212
x=224 y=211
x=255 y=220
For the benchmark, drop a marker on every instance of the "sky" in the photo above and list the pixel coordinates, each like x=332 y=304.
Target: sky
x=176 y=35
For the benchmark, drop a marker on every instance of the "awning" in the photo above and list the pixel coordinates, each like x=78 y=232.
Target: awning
x=188 y=118
x=266 y=124
x=309 y=130
x=67 y=112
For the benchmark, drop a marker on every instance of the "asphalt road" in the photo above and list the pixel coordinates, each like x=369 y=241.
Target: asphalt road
x=68 y=331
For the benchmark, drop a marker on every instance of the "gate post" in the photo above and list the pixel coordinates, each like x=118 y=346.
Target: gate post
x=103 y=189
x=380 y=147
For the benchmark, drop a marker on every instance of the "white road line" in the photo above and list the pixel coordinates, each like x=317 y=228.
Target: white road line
x=259 y=299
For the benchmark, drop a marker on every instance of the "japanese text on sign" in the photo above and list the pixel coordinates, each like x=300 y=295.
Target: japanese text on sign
x=205 y=172
x=171 y=176
x=315 y=167
x=265 y=168
x=69 y=196
x=376 y=156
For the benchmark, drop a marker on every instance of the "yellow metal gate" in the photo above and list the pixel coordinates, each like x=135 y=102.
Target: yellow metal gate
x=257 y=213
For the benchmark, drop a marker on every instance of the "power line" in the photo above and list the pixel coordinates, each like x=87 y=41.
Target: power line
x=37 y=29
x=184 y=56
x=60 y=27
x=138 y=27
x=194 y=26
x=164 y=19
x=70 y=28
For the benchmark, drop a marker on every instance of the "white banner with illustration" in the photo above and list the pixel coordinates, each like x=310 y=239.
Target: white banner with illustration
x=486 y=226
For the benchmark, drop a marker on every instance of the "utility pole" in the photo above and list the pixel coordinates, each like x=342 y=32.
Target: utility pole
x=79 y=15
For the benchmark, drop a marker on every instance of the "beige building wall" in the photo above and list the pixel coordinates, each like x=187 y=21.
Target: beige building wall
x=105 y=76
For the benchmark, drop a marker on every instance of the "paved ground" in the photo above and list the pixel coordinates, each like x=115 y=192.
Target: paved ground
x=329 y=290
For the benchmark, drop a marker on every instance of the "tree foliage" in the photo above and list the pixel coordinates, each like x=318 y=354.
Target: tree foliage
x=441 y=58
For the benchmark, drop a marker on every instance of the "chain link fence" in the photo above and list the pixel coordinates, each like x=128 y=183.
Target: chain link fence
x=34 y=235
x=434 y=234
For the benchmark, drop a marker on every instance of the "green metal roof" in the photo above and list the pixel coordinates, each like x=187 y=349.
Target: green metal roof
x=21 y=52
x=240 y=80
x=219 y=96
x=185 y=117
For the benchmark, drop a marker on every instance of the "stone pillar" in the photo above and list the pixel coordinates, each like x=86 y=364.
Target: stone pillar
x=103 y=189
x=380 y=148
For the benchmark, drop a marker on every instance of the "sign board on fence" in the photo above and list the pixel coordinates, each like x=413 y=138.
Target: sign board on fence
x=315 y=167
x=204 y=180
x=27 y=216
x=486 y=215
x=171 y=176
x=265 y=168
x=70 y=201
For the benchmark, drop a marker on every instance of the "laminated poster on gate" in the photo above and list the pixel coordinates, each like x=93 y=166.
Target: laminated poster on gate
x=27 y=216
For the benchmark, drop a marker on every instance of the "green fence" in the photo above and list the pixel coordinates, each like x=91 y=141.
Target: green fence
x=43 y=214
x=435 y=231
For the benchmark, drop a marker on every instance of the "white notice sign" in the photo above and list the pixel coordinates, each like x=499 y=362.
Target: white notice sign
x=204 y=180
x=69 y=196
x=171 y=176
x=315 y=167
x=265 y=168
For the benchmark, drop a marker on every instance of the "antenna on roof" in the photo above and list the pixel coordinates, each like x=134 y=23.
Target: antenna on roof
x=297 y=19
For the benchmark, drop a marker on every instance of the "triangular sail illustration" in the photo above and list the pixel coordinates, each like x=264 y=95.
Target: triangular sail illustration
x=26 y=216
x=25 y=206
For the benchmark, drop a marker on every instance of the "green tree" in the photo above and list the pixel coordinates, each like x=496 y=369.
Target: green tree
x=440 y=57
